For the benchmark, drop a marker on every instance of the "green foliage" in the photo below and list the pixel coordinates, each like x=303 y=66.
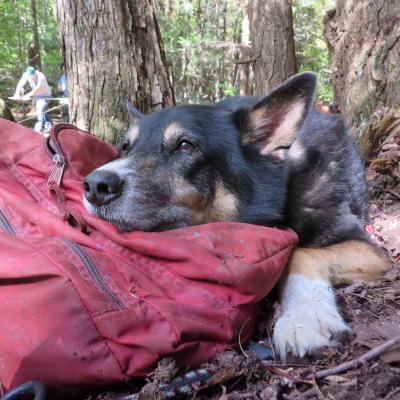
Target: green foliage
x=311 y=50
x=200 y=52
x=15 y=34
x=200 y=39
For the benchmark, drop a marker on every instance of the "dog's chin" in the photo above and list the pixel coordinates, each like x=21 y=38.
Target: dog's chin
x=125 y=225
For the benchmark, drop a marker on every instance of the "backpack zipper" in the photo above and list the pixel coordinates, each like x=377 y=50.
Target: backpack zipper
x=84 y=257
x=54 y=180
x=5 y=225
x=93 y=272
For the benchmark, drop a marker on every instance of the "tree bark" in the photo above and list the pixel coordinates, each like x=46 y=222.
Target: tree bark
x=21 y=49
x=244 y=68
x=34 y=47
x=113 y=53
x=364 y=47
x=5 y=112
x=272 y=41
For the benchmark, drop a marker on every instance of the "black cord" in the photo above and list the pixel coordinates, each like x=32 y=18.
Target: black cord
x=32 y=390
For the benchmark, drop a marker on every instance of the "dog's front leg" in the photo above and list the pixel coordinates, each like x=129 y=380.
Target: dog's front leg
x=310 y=318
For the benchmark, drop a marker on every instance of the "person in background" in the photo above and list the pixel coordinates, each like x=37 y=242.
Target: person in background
x=63 y=90
x=40 y=91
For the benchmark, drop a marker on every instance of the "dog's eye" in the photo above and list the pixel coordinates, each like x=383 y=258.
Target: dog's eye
x=186 y=146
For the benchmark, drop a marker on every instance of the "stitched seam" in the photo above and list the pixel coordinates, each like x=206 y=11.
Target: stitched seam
x=132 y=307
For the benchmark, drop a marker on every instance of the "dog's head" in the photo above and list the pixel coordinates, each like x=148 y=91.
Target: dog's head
x=196 y=164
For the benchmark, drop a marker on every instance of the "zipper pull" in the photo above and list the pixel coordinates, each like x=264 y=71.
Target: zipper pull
x=57 y=172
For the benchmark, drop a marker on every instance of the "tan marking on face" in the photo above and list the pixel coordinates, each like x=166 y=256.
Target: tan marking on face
x=172 y=131
x=148 y=164
x=224 y=206
x=342 y=263
x=187 y=195
x=132 y=133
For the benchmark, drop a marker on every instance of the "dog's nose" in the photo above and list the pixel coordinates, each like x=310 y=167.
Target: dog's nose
x=101 y=187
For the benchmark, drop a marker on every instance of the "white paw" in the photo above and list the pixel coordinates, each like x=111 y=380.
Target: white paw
x=310 y=319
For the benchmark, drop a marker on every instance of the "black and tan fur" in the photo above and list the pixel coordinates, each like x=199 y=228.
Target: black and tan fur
x=269 y=161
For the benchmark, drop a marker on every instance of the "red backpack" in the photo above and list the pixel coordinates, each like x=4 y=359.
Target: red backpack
x=82 y=304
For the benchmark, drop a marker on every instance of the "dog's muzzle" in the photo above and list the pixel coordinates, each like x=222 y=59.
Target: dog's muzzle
x=101 y=187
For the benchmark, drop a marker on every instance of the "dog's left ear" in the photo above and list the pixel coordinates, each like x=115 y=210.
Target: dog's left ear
x=134 y=115
x=272 y=124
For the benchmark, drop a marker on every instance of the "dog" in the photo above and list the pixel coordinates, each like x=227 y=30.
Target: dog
x=269 y=161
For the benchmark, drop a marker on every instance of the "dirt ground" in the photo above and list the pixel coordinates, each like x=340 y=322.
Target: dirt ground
x=372 y=310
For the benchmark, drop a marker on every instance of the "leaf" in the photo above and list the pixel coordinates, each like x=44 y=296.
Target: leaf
x=379 y=332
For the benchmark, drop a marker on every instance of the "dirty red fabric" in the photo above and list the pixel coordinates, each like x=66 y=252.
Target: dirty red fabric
x=98 y=307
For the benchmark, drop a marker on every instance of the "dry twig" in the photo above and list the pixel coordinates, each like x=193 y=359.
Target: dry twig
x=239 y=340
x=392 y=393
x=278 y=371
x=359 y=360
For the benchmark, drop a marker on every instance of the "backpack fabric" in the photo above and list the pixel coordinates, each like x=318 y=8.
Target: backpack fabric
x=84 y=305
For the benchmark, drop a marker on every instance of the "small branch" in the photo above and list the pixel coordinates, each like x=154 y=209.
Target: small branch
x=391 y=394
x=47 y=111
x=243 y=61
x=240 y=333
x=318 y=391
x=278 y=371
x=360 y=360
x=272 y=348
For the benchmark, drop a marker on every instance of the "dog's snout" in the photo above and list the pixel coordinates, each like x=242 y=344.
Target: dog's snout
x=101 y=187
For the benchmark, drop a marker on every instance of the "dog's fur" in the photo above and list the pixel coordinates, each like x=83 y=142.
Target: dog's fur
x=269 y=161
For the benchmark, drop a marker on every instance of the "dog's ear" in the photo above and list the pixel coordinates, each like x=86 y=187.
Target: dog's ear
x=134 y=115
x=272 y=124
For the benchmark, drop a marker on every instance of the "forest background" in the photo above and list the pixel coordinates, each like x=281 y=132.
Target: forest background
x=202 y=41
x=157 y=53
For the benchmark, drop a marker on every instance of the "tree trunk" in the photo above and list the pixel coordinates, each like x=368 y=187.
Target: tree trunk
x=244 y=68
x=272 y=41
x=34 y=47
x=21 y=49
x=364 y=47
x=113 y=53
x=5 y=112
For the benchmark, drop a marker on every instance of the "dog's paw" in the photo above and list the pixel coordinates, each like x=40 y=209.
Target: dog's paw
x=307 y=328
x=310 y=319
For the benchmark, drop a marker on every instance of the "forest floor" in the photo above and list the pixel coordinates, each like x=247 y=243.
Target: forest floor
x=372 y=310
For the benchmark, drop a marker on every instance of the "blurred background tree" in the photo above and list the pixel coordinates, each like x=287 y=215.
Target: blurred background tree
x=272 y=43
x=311 y=48
x=203 y=44
x=201 y=39
x=17 y=31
